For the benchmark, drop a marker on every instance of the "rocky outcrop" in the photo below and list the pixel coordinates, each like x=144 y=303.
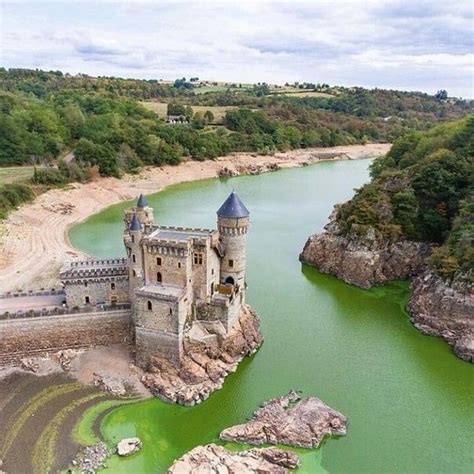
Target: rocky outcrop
x=289 y=420
x=204 y=368
x=129 y=446
x=440 y=309
x=214 y=459
x=437 y=308
x=91 y=459
x=363 y=261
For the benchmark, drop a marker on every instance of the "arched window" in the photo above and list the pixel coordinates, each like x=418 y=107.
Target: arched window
x=171 y=311
x=149 y=306
x=134 y=273
x=112 y=286
x=158 y=260
x=159 y=277
x=134 y=258
x=229 y=281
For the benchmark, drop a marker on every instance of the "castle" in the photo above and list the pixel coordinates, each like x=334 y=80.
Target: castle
x=184 y=285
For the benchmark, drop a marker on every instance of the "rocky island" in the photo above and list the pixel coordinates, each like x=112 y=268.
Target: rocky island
x=414 y=220
x=216 y=459
x=289 y=420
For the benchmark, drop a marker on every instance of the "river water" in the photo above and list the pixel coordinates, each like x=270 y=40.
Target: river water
x=409 y=400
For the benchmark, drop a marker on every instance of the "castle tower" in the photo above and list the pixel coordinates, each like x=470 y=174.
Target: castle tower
x=132 y=239
x=233 y=225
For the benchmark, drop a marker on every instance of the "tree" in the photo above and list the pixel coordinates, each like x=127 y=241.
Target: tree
x=208 y=116
x=441 y=95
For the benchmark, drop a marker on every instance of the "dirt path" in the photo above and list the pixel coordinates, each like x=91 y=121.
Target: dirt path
x=33 y=240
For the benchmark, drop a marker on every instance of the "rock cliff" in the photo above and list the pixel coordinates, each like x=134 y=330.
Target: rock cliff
x=443 y=310
x=214 y=459
x=437 y=308
x=363 y=261
x=204 y=368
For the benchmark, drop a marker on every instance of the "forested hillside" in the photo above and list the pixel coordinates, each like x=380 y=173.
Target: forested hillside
x=423 y=190
x=75 y=127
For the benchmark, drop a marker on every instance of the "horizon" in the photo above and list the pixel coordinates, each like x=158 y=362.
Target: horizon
x=392 y=45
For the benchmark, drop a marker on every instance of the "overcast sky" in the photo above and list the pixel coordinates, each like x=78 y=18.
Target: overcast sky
x=410 y=45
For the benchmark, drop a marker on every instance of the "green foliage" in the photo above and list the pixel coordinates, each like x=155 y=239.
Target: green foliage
x=425 y=187
x=12 y=195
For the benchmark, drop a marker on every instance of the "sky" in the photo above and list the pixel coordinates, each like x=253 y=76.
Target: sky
x=407 y=45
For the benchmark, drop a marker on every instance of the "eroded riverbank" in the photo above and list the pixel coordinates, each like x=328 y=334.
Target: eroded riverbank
x=34 y=241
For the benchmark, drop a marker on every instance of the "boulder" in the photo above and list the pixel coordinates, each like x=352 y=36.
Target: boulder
x=128 y=446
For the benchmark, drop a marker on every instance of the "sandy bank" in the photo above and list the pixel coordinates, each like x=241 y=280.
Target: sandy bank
x=33 y=240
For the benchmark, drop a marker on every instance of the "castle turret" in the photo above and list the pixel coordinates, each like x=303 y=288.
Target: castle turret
x=132 y=239
x=233 y=225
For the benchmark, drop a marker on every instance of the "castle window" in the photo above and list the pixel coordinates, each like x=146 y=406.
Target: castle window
x=179 y=264
x=159 y=277
x=87 y=300
x=231 y=263
x=158 y=260
x=112 y=286
x=212 y=272
x=134 y=258
x=134 y=273
x=149 y=306
x=85 y=284
x=197 y=258
x=171 y=311
x=133 y=239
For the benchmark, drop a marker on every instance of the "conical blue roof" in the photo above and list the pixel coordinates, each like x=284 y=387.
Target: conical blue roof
x=233 y=208
x=142 y=201
x=135 y=224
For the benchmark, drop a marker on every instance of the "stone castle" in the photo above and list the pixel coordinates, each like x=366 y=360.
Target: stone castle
x=184 y=285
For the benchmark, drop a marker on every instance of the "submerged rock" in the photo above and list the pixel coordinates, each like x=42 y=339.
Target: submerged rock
x=128 y=446
x=204 y=367
x=289 y=420
x=212 y=459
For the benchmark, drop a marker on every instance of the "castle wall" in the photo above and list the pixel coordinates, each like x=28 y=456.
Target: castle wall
x=173 y=268
x=158 y=331
x=162 y=317
x=26 y=337
x=149 y=344
x=99 y=291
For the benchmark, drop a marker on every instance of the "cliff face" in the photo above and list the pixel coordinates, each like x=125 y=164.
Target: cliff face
x=363 y=262
x=437 y=308
x=443 y=310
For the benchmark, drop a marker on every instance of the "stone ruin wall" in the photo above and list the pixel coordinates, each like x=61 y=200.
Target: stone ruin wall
x=38 y=335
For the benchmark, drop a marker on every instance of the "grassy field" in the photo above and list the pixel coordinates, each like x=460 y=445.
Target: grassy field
x=301 y=93
x=15 y=173
x=202 y=89
x=160 y=109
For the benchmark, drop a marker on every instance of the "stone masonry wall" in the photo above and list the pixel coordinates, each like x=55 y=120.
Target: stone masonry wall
x=98 y=290
x=34 y=336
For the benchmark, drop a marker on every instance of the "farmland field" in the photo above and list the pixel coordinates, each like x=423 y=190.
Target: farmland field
x=219 y=112
x=15 y=173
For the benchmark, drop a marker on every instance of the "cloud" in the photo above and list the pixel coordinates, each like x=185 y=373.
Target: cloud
x=423 y=45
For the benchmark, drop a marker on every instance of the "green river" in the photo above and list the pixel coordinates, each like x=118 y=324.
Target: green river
x=409 y=400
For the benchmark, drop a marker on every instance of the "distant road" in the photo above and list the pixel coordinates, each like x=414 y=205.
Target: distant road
x=30 y=302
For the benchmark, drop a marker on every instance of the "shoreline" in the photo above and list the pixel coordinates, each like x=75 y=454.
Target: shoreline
x=34 y=239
